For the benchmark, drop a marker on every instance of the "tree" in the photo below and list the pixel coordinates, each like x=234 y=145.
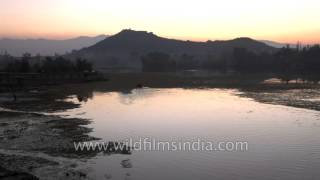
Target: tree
x=158 y=62
x=187 y=62
x=83 y=65
x=25 y=66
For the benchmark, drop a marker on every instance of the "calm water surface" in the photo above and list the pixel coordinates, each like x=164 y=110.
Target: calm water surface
x=284 y=142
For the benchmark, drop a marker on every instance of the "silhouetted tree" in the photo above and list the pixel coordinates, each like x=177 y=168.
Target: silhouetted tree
x=246 y=61
x=83 y=65
x=187 y=62
x=216 y=64
x=157 y=61
x=24 y=65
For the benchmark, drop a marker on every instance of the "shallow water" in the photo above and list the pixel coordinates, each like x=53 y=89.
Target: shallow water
x=283 y=142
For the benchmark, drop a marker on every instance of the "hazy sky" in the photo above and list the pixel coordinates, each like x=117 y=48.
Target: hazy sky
x=279 y=20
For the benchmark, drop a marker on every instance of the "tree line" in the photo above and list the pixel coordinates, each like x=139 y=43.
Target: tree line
x=287 y=63
x=38 y=64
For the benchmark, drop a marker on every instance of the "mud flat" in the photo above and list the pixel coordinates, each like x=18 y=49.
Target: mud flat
x=34 y=144
x=308 y=98
x=7 y=175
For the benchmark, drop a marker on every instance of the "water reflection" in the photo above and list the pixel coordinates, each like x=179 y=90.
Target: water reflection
x=283 y=141
x=131 y=96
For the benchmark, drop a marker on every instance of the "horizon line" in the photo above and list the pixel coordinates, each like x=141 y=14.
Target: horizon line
x=203 y=40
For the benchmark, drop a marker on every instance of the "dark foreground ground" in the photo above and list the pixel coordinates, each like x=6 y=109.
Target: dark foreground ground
x=34 y=144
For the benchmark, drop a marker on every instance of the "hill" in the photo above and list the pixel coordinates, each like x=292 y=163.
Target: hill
x=17 y=47
x=126 y=48
x=278 y=45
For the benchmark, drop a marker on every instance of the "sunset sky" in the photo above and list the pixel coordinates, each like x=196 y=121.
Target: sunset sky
x=278 y=20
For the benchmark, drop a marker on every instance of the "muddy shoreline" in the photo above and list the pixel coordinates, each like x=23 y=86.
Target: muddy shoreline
x=23 y=133
x=306 y=98
x=37 y=144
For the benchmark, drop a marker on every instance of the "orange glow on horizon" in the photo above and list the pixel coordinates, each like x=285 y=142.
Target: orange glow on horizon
x=286 y=21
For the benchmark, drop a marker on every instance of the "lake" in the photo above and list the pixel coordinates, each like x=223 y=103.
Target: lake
x=283 y=142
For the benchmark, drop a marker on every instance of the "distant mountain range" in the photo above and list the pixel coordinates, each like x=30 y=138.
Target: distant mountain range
x=126 y=48
x=17 y=47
